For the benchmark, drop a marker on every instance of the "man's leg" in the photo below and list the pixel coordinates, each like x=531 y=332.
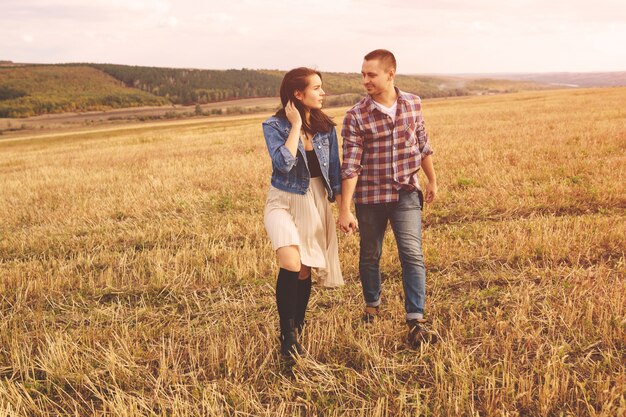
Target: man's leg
x=372 y=224
x=406 y=222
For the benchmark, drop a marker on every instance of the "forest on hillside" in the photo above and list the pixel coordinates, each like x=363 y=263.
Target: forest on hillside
x=194 y=86
x=43 y=89
x=29 y=90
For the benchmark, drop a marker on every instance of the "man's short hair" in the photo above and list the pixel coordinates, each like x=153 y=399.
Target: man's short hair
x=384 y=56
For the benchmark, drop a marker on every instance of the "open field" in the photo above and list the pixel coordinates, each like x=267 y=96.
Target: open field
x=136 y=278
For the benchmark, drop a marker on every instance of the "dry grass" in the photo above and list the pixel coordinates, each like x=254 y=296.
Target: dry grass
x=136 y=278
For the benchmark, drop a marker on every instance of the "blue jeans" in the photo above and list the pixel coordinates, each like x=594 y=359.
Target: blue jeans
x=406 y=222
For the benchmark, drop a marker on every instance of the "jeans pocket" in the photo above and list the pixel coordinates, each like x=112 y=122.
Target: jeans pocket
x=420 y=195
x=411 y=200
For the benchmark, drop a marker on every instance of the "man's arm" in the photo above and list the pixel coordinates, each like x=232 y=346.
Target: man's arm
x=429 y=170
x=350 y=170
x=427 y=158
x=338 y=200
x=346 y=220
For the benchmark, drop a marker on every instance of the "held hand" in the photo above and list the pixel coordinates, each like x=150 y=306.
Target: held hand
x=431 y=192
x=293 y=115
x=346 y=222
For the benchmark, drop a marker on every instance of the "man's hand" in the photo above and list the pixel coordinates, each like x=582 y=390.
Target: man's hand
x=347 y=222
x=431 y=191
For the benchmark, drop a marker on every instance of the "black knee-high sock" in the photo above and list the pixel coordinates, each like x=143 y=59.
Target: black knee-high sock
x=286 y=295
x=304 y=292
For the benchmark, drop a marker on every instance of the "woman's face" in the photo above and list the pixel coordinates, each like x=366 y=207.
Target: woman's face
x=313 y=96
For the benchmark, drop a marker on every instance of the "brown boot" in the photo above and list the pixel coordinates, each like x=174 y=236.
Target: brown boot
x=370 y=313
x=419 y=333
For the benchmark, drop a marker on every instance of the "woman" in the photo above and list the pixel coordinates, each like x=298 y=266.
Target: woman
x=302 y=143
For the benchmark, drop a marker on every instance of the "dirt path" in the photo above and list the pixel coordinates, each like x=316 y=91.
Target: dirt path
x=10 y=127
x=19 y=136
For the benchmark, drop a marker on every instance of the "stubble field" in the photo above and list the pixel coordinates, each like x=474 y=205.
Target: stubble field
x=136 y=278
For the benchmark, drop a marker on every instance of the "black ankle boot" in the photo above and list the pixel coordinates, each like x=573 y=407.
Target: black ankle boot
x=288 y=340
x=299 y=327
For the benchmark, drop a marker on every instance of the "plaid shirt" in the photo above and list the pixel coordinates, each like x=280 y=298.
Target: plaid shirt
x=384 y=153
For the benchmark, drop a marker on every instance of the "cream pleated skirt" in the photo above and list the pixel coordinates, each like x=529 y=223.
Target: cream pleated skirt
x=306 y=221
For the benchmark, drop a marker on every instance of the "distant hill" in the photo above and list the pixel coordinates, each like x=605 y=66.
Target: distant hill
x=30 y=89
x=569 y=79
x=39 y=89
x=189 y=86
x=342 y=83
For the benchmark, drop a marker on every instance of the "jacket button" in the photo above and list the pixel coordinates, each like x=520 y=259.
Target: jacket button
x=324 y=163
x=319 y=146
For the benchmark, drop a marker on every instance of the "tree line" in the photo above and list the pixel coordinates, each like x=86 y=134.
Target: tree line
x=31 y=90
x=39 y=89
x=196 y=86
x=193 y=86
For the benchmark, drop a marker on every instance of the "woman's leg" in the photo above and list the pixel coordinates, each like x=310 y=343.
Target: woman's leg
x=286 y=297
x=289 y=258
x=304 y=292
x=330 y=275
x=305 y=272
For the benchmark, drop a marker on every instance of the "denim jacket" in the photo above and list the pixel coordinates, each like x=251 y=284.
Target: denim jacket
x=291 y=173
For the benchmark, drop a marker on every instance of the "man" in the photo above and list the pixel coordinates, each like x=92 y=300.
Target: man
x=384 y=146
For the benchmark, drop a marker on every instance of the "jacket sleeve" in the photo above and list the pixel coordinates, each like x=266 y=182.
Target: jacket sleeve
x=334 y=172
x=282 y=159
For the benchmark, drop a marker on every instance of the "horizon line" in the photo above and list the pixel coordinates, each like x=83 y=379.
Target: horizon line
x=8 y=63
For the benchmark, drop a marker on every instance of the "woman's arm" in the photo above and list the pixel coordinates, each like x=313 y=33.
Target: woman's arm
x=283 y=151
x=296 y=125
x=282 y=158
x=334 y=170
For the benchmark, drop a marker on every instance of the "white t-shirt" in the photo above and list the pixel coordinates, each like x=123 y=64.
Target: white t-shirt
x=391 y=111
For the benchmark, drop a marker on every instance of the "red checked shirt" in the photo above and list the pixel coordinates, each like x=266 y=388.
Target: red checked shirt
x=384 y=153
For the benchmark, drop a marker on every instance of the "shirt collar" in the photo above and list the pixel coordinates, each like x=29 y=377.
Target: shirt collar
x=369 y=103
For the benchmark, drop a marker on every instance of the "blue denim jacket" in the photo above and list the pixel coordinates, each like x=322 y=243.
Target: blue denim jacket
x=291 y=173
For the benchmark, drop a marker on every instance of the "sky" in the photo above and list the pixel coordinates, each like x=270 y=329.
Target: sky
x=426 y=36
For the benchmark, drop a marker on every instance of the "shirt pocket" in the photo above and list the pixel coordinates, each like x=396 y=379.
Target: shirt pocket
x=410 y=138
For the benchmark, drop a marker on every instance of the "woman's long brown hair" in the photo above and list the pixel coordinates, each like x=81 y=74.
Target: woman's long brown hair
x=297 y=80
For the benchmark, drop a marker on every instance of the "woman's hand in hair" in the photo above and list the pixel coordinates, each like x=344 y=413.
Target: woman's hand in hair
x=293 y=115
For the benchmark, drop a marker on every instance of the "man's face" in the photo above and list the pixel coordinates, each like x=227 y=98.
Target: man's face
x=376 y=78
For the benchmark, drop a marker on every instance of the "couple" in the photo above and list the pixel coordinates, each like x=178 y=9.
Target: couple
x=384 y=145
